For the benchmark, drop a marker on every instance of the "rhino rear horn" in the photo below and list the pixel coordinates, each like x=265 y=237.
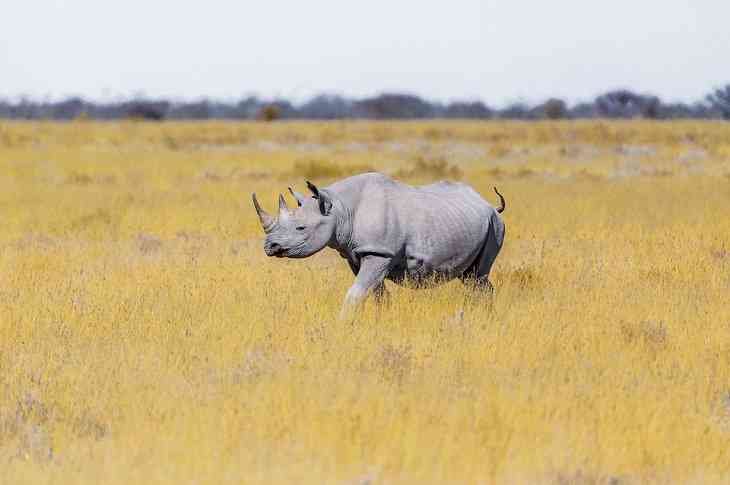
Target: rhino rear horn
x=282 y=204
x=284 y=212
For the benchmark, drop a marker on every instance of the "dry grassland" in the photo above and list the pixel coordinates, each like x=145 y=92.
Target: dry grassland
x=145 y=337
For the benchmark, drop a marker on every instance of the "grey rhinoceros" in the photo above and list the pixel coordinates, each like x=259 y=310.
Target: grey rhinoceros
x=386 y=229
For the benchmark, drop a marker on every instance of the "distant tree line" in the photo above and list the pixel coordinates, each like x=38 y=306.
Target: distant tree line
x=613 y=104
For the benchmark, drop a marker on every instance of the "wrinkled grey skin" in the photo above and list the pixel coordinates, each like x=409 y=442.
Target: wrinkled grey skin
x=389 y=230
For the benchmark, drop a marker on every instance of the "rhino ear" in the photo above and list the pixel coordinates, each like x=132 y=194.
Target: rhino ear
x=325 y=202
x=313 y=188
x=299 y=197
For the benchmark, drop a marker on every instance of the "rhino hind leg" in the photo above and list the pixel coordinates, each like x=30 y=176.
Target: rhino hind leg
x=477 y=274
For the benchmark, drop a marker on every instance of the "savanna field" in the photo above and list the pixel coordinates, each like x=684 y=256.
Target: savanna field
x=146 y=338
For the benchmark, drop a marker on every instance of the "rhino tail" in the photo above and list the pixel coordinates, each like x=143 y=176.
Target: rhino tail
x=502 y=204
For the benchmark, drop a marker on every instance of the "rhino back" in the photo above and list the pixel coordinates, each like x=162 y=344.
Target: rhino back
x=440 y=226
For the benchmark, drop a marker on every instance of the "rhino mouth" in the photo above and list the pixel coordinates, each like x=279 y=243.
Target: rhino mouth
x=276 y=252
x=274 y=249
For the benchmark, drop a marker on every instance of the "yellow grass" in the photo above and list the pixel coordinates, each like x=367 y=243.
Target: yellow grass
x=145 y=337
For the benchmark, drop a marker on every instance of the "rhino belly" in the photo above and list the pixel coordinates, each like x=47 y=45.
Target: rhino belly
x=423 y=269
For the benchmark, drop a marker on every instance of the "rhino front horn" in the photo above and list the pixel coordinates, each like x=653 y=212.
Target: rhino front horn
x=267 y=222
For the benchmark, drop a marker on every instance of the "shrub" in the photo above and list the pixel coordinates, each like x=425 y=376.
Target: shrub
x=437 y=168
x=269 y=112
x=323 y=169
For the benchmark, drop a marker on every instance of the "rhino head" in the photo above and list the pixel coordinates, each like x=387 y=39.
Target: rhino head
x=300 y=232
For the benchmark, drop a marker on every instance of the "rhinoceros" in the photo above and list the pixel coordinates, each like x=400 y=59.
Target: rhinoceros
x=386 y=229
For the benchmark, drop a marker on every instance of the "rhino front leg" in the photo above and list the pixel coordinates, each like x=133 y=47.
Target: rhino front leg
x=369 y=278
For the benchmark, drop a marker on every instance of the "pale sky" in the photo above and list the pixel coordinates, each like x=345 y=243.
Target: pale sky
x=499 y=51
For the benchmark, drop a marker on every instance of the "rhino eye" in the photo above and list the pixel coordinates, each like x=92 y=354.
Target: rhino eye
x=300 y=228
